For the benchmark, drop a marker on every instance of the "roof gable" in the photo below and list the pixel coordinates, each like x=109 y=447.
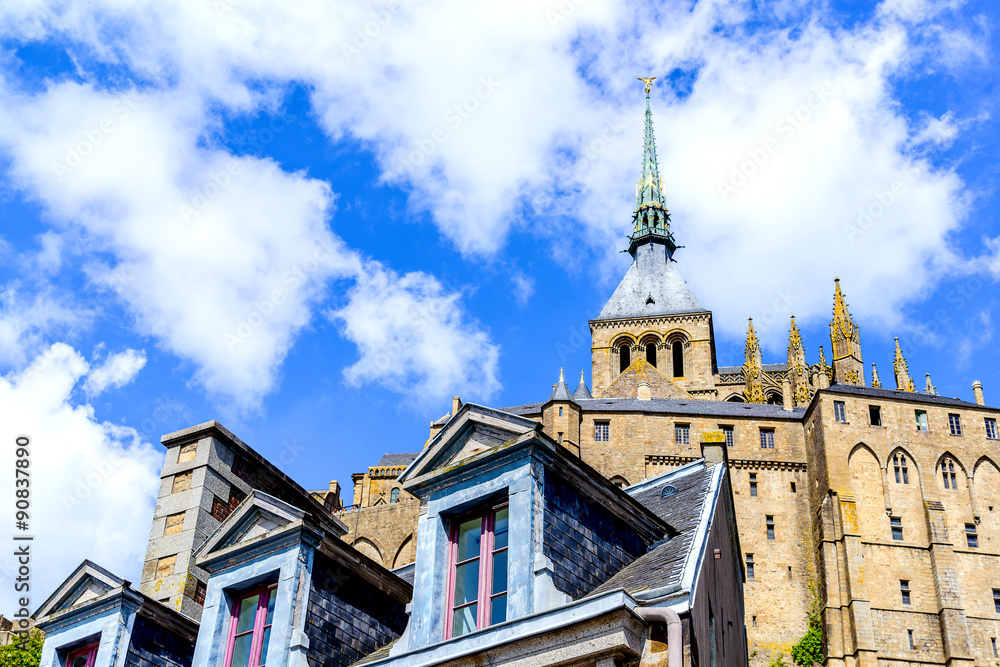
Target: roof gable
x=88 y=582
x=258 y=517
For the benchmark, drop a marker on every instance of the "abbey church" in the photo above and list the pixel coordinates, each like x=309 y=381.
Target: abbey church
x=878 y=505
x=671 y=513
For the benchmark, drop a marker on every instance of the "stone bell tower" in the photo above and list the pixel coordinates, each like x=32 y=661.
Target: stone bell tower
x=652 y=330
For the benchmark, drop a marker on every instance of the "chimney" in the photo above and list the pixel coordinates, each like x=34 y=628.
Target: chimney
x=644 y=393
x=332 y=500
x=713 y=447
x=456 y=405
x=977 y=391
x=786 y=394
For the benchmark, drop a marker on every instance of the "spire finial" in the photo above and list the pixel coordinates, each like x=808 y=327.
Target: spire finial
x=561 y=378
x=648 y=80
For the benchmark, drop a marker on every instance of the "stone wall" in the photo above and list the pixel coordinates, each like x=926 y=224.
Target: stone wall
x=386 y=533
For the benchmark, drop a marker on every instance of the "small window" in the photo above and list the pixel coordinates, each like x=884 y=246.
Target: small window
x=478 y=572
x=753 y=485
x=727 y=431
x=767 y=438
x=83 y=657
x=769 y=520
x=875 y=415
x=602 y=431
x=789 y=572
x=921 y=417
x=199 y=593
x=948 y=474
x=993 y=644
x=996 y=600
x=394 y=495
x=971 y=538
x=955 y=424
x=678 y=353
x=682 y=434
x=560 y=437
x=909 y=634
x=991 y=428
x=750 y=568
x=840 y=411
x=560 y=411
x=899 y=466
x=896 y=525
x=624 y=358
x=651 y=354
x=754 y=621
x=904 y=591
x=250 y=628
x=793 y=486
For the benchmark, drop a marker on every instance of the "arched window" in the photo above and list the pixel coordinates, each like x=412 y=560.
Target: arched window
x=899 y=465
x=394 y=495
x=651 y=354
x=624 y=357
x=774 y=399
x=948 y=473
x=678 y=350
x=619 y=481
x=735 y=398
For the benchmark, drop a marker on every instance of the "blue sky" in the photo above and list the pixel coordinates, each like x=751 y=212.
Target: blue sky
x=316 y=222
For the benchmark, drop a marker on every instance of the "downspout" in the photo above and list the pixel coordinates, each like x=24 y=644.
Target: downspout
x=675 y=650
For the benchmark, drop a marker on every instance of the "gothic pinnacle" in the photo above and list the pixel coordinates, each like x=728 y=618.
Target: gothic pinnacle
x=875 y=381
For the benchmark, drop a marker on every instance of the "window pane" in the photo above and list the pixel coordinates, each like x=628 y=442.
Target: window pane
x=241 y=650
x=248 y=610
x=80 y=661
x=500 y=529
x=499 y=573
x=272 y=596
x=469 y=534
x=464 y=620
x=498 y=609
x=263 y=648
x=466 y=583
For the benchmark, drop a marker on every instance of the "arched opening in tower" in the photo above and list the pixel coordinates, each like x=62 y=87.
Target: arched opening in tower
x=651 y=354
x=678 y=350
x=624 y=358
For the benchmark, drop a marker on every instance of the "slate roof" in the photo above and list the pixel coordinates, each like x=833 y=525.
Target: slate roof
x=674 y=406
x=770 y=368
x=664 y=564
x=561 y=392
x=582 y=392
x=651 y=286
x=901 y=395
x=396 y=460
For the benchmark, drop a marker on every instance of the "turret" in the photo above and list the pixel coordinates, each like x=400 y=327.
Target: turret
x=846 y=342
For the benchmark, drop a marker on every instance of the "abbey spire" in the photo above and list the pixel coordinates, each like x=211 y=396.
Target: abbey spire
x=846 y=342
x=798 y=371
x=903 y=380
x=651 y=221
x=753 y=369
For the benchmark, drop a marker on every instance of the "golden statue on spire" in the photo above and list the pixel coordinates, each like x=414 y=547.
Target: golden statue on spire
x=648 y=80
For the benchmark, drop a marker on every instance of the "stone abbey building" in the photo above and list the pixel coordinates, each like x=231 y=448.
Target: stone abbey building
x=878 y=505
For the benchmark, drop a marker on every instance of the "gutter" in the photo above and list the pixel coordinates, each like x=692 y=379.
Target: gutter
x=675 y=651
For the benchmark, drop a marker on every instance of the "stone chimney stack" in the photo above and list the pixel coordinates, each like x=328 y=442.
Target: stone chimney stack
x=977 y=391
x=787 y=400
x=456 y=405
x=713 y=447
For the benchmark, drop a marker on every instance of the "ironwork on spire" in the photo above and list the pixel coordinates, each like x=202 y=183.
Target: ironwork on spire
x=651 y=220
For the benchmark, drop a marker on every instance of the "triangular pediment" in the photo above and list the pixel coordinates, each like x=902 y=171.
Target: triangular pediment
x=88 y=582
x=474 y=430
x=660 y=386
x=258 y=517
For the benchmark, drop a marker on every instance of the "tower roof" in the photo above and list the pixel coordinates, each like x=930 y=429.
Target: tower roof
x=651 y=220
x=651 y=287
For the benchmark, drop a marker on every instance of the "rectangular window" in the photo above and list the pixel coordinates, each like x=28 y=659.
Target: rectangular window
x=993 y=643
x=478 y=586
x=83 y=657
x=767 y=438
x=840 y=411
x=899 y=466
x=602 y=431
x=250 y=628
x=909 y=634
x=955 y=424
x=560 y=411
x=991 y=428
x=770 y=527
x=904 y=591
x=921 y=417
x=682 y=434
x=727 y=432
x=875 y=415
x=996 y=600
x=753 y=485
x=754 y=621
x=793 y=486
x=789 y=572
x=750 y=567
x=970 y=536
x=896 y=525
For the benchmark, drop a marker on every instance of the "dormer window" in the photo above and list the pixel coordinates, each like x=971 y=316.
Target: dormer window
x=83 y=657
x=477 y=591
x=250 y=628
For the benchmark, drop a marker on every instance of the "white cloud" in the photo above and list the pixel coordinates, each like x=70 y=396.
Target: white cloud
x=88 y=479
x=414 y=338
x=27 y=319
x=116 y=371
x=523 y=286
